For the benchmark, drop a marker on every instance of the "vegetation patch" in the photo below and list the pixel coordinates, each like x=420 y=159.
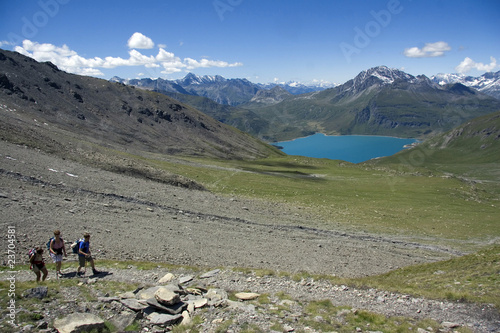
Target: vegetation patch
x=471 y=278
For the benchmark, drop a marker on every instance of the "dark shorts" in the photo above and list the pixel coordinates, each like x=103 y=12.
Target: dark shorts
x=82 y=260
x=38 y=267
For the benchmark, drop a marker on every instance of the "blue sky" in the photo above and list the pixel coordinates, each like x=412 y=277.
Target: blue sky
x=262 y=41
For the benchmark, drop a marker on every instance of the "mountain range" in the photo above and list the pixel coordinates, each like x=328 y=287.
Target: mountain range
x=378 y=101
x=488 y=83
x=219 y=89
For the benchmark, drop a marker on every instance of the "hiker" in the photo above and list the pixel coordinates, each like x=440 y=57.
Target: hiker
x=84 y=255
x=38 y=264
x=57 y=249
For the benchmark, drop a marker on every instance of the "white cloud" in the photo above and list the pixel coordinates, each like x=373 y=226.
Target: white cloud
x=69 y=60
x=468 y=64
x=139 y=41
x=205 y=63
x=429 y=50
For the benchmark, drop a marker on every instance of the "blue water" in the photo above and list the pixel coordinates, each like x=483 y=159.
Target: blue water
x=351 y=148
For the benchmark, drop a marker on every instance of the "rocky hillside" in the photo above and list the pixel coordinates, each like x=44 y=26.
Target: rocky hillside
x=43 y=106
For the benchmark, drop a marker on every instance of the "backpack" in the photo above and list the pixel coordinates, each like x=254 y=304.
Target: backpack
x=48 y=243
x=31 y=253
x=76 y=245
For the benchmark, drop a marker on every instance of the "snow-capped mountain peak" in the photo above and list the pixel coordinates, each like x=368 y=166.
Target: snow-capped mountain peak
x=385 y=74
x=488 y=83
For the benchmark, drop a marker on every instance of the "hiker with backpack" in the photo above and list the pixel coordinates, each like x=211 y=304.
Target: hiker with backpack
x=56 y=249
x=38 y=263
x=84 y=256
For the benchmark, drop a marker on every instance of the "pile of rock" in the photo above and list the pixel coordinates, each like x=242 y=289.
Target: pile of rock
x=170 y=302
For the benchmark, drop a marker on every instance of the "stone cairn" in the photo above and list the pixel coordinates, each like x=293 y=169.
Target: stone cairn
x=162 y=306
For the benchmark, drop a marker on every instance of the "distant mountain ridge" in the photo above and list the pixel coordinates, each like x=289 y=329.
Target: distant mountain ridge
x=488 y=83
x=219 y=89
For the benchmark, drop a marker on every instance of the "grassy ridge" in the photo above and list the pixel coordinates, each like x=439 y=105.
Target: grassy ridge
x=471 y=150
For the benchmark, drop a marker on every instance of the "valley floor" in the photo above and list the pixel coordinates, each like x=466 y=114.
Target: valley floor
x=136 y=219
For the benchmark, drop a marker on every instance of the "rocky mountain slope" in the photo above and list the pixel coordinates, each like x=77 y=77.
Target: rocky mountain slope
x=488 y=83
x=49 y=102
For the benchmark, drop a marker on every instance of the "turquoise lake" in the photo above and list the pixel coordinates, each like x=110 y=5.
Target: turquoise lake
x=351 y=148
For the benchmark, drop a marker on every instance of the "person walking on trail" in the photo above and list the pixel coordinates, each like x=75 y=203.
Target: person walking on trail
x=38 y=264
x=84 y=256
x=57 y=249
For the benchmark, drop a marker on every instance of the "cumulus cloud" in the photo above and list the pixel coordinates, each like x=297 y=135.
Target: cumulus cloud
x=429 y=50
x=139 y=41
x=70 y=61
x=468 y=64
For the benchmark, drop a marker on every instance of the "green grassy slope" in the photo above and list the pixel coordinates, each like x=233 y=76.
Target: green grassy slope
x=471 y=150
x=472 y=278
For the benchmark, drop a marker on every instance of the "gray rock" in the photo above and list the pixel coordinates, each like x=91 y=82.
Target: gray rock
x=147 y=293
x=37 y=292
x=78 y=322
x=108 y=299
x=171 y=309
x=185 y=279
x=210 y=274
x=133 y=304
x=123 y=319
x=247 y=296
x=167 y=297
x=167 y=278
x=165 y=319
x=447 y=324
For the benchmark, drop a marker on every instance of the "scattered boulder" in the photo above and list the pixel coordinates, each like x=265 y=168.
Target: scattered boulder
x=171 y=309
x=147 y=293
x=247 y=296
x=210 y=274
x=37 y=292
x=164 y=319
x=185 y=279
x=79 y=322
x=133 y=304
x=186 y=318
x=123 y=319
x=167 y=278
x=166 y=296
